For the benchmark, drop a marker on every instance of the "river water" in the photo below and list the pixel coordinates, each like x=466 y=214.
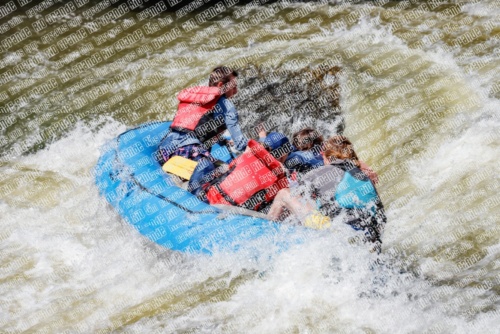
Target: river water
x=419 y=97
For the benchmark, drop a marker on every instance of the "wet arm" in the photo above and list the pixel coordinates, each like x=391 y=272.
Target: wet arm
x=231 y=119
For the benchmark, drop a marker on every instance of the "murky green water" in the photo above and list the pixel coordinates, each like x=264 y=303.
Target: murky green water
x=419 y=90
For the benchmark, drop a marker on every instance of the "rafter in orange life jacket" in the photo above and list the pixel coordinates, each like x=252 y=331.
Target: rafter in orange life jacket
x=195 y=113
x=254 y=180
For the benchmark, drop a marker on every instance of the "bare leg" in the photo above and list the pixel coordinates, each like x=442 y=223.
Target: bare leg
x=284 y=199
x=369 y=172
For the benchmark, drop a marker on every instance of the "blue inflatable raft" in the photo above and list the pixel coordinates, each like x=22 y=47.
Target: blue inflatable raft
x=131 y=180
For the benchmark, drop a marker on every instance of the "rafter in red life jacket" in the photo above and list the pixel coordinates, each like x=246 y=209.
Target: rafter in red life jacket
x=194 y=103
x=255 y=179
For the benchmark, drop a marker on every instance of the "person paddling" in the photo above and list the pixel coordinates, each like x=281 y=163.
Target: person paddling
x=203 y=114
x=307 y=154
x=255 y=177
x=339 y=188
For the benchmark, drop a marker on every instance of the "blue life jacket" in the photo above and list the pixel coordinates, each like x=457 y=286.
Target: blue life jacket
x=304 y=161
x=356 y=191
x=342 y=187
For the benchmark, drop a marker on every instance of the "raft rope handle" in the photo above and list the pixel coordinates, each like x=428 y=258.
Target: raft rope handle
x=160 y=196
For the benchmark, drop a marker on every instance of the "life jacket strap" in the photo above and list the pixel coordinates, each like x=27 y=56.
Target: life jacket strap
x=224 y=194
x=181 y=129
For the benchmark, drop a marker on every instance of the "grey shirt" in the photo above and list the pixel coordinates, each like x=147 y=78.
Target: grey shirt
x=323 y=181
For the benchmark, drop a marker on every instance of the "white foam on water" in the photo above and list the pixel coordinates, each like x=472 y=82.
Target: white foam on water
x=485 y=9
x=69 y=262
x=70 y=256
x=325 y=286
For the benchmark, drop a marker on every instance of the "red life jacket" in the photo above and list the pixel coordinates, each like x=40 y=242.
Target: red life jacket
x=254 y=181
x=194 y=113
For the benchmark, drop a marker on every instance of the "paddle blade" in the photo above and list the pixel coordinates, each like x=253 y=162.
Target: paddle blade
x=180 y=166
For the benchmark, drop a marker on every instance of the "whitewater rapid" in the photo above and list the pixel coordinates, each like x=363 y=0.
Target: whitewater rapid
x=421 y=107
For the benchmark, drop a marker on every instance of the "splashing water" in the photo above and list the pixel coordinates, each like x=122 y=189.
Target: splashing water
x=418 y=93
